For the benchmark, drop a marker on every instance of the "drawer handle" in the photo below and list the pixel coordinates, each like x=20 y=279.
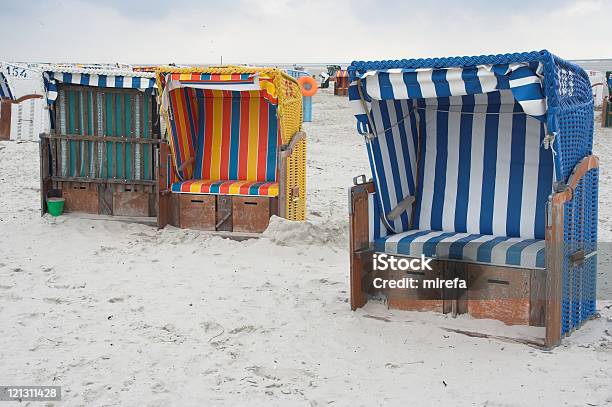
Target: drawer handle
x=416 y=273
x=493 y=281
x=197 y=201
x=250 y=203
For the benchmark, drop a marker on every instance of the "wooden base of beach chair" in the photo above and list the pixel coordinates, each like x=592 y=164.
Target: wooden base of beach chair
x=514 y=296
x=341 y=91
x=218 y=213
x=104 y=199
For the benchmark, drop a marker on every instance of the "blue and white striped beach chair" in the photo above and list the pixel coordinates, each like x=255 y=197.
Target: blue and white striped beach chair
x=484 y=164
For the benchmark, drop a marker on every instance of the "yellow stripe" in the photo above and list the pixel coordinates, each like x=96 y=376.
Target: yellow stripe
x=273 y=190
x=185 y=76
x=215 y=162
x=235 y=187
x=195 y=187
x=253 y=139
x=226 y=77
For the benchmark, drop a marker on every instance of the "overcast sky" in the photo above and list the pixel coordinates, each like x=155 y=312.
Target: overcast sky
x=287 y=31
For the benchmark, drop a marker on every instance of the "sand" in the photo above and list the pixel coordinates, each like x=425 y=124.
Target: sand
x=124 y=314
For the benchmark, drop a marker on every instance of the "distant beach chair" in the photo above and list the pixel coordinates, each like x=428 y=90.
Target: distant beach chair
x=341 y=83
x=236 y=153
x=485 y=165
x=101 y=152
x=306 y=100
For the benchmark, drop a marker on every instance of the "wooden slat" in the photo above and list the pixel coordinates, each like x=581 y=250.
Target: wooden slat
x=96 y=145
x=103 y=180
x=104 y=138
x=554 y=254
x=78 y=95
x=358 y=228
x=132 y=136
x=86 y=130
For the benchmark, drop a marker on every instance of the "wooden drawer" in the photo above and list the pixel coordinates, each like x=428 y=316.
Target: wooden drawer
x=511 y=295
x=130 y=201
x=417 y=299
x=197 y=211
x=80 y=197
x=250 y=214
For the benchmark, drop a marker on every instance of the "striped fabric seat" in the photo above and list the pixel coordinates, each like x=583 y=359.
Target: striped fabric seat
x=474 y=248
x=483 y=165
x=250 y=188
x=232 y=135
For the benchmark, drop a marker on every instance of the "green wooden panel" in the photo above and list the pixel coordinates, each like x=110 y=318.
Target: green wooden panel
x=91 y=111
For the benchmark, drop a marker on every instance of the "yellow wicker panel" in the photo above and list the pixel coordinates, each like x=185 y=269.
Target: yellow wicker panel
x=296 y=182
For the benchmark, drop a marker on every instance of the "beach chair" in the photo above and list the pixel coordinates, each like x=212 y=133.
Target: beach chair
x=101 y=152
x=483 y=164
x=306 y=100
x=341 y=84
x=236 y=154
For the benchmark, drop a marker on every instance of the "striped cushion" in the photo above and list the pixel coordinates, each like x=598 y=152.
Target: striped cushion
x=483 y=173
x=252 y=188
x=238 y=136
x=475 y=248
x=232 y=135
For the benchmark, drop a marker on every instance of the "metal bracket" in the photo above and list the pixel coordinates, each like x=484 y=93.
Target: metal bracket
x=358 y=178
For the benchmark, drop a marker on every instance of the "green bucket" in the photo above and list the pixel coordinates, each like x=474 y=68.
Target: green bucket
x=55 y=206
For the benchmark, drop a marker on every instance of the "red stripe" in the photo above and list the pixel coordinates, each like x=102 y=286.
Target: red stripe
x=262 y=151
x=263 y=189
x=244 y=188
x=175 y=111
x=185 y=186
x=205 y=187
x=226 y=135
x=243 y=149
x=225 y=186
x=208 y=132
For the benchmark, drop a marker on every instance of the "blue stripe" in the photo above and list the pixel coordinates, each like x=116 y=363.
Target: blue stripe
x=272 y=142
x=465 y=161
x=102 y=81
x=84 y=79
x=403 y=246
x=421 y=161
x=395 y=171
x=136 y=82
x=514 y=252
x=545 y=177
x=517 y=168
x=541 y=258
x=379 y=177
x=254 y=189
x=485 y=250
x=235 y=136
x=119 y=81
x=437 y=205
x=455 y=251
x=489 y=164
x=430 y=246
x=438 y=77
x=386 y=90
x=471 y=80
x=412 y=85
x=199 y=141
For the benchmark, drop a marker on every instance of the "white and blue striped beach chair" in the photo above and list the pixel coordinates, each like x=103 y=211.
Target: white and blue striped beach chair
x=485 y=165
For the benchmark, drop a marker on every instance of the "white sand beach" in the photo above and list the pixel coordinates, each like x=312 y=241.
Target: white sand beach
x=122 y=314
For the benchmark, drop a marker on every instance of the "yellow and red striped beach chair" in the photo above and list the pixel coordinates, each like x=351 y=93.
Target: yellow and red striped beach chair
x=236 y=152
